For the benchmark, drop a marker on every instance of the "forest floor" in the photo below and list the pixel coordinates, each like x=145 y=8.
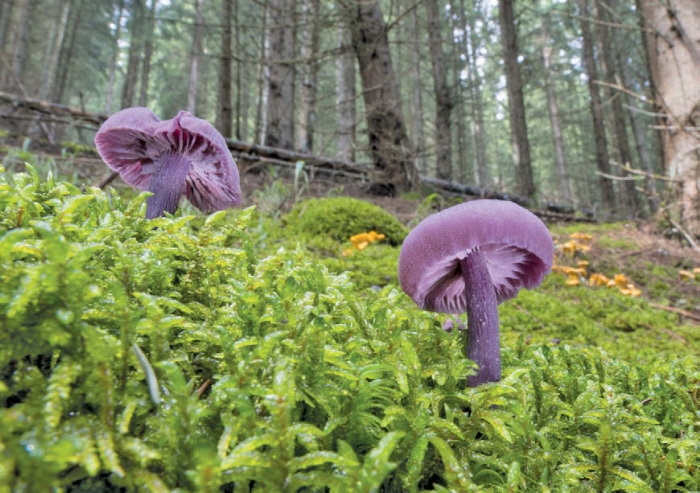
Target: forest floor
x=642 y=250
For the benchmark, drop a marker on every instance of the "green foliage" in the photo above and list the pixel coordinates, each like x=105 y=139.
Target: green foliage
x=169 y=355
x=78 y=149
x=627 y=328
x=339 y=218
x=374 y=266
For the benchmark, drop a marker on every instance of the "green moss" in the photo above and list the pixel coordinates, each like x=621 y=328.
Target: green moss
x=77 y=149
x=339 y=218
x=628 y=328
x=265 y=372
x=369 y=268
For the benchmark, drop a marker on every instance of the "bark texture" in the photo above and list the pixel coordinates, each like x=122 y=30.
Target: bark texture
x=224 y=110
x=601 y=142
x=563 y=186
x=524 y=184
x=443 y=96
x=195 y=55
x=280 y=102
x=673 y=41
x=388 y=141
x=345 y=94
x=309 y=47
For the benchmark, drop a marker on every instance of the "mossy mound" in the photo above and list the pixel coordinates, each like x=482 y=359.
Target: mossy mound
x=339 y=218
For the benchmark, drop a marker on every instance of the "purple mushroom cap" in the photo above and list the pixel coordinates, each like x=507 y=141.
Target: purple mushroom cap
x=170 y=158
x=468 y=259
x=516 y=244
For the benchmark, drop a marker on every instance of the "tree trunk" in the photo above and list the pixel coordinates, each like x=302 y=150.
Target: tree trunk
x=563 y=186
x=640 y=141
x=418 y=128
x=67 y=51
x=6 y=9
x=150 y=23
x=443 y=96
x=457 y=50
x=112 y=78
x=195 y=55
x=482 y=176
x=135 y=50
x=345 y=94
x=242 y=105
x=54 y=51
x=673 y=39
x=280 y=104
x=387 y=137
x=18 y=39
x=608 y=49
x=524 y=184
x=224 y=110
x=263 y=78
x=600 y=140
x=310 y=37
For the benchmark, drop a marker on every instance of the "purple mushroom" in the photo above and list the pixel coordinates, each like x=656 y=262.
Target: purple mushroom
x=469 y=258
x=171 y=158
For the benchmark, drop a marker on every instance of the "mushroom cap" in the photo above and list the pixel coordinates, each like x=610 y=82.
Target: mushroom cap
x=516 y=244
x=133 y=139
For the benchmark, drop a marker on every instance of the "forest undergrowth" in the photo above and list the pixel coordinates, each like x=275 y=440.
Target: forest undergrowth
x=244 y=351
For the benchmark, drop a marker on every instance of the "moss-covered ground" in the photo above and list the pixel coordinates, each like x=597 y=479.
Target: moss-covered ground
x=236 y=352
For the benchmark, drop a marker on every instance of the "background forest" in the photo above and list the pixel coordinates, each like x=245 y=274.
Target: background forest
x=551 y=100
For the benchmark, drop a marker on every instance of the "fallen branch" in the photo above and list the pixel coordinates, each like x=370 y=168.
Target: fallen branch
x=679 y=311
x=52 y=108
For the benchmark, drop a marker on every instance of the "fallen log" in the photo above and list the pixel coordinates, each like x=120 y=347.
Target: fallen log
x=52 y=108
x=286 y=155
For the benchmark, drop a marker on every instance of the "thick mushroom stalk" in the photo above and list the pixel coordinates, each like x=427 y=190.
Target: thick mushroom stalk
x=167 y=184
x=483 y=336
x=468 y=259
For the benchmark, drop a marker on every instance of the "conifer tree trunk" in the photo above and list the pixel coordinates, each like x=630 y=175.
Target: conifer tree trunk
x=6 y=7
x=309 y=47
x=280 y=103
x=443 y=96
x=624 y=152
x=67 y=50
x=149 y=29
x=482 y=175
x=18 y=39
x=135 y=50
x=673 y=39
x=600 y=140
x=345 y=93
x=263 y=78
x=388 y=141
x=53 y=51
x=524 y=184
x=242 y=100
x=457 y=50
x=112 y=78
x=563 y=186
x=195 y=55
x=224 y=110
x=418 y=127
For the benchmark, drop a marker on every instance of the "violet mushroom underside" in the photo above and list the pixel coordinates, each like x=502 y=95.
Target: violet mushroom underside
x=167 y=184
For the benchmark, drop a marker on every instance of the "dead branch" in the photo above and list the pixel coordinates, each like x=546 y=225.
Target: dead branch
x=684 y=313
x=52 y=108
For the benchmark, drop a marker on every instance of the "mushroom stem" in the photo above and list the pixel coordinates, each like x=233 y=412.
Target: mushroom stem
x=483 y=345
x=167 y=184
